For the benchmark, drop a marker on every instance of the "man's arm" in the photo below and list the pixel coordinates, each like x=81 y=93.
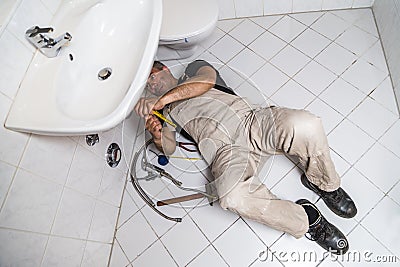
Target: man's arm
x=197 y=85
x=163 y=138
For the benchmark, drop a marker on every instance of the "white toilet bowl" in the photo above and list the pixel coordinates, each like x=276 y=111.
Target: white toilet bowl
x=185 y=24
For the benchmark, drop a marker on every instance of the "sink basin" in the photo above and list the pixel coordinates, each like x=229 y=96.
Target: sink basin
x=96 y=80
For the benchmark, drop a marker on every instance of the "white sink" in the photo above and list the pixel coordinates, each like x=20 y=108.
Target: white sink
x=114 y=39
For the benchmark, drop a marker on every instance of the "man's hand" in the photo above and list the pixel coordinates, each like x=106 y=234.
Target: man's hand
x=145 y=106
x=153 y=125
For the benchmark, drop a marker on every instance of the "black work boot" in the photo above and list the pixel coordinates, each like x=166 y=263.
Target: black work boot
x=337 y=201
x=321 y=231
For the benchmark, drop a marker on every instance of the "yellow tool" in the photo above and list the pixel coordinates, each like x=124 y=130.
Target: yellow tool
x=161 y=116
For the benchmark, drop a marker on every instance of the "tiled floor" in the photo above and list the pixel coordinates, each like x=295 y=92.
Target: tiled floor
x=330 y=63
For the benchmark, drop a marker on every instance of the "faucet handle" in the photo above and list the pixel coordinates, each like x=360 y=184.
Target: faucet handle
x=35 y=30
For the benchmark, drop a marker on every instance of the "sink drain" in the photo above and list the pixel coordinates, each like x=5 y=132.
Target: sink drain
x=104 y=74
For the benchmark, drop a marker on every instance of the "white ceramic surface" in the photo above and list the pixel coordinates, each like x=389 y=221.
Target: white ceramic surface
x=63 y=95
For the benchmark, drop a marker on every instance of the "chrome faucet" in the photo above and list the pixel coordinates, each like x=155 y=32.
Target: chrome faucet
x=48 y=46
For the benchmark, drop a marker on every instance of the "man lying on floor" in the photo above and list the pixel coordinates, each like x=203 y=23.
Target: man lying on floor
x=236 y=138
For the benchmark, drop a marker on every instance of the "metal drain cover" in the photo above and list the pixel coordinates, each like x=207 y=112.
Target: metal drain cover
x=104 y=74
x=113 y=155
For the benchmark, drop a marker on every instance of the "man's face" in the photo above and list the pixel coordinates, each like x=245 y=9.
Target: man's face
x=159 y=81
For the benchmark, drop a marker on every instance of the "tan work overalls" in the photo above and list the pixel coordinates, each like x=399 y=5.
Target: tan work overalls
x=235 y=139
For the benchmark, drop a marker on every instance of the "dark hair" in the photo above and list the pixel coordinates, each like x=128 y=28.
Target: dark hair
x=158 y=65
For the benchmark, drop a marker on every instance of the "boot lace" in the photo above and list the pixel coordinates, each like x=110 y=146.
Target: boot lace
x=318 y=232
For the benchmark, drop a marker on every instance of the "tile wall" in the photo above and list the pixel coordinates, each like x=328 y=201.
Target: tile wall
x=59 y=200
x=387 y=15
x=243 y=8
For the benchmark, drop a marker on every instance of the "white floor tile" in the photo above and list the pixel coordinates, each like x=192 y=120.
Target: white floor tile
x=380 y=166
x=226 y=48
x=269 y=79
x=330 y=25
x=96 y=254
x=246 y=62
x=12 y=144
x=212 y=220
x=267 y=45
x=86 y=172
x=74 y=215
x=118 y=258
x=7 y=172
x=336 y=58
x=390 y=139
x=276 y=167
x=351 y=182
x=265 y=258
x=15 y=60
x=267 y=234
x=383 y=222
x=297 y=252
x=315 y=77
x=394 y=193
x=341 y=165
x=228 y=24
x=112 y=185
x=266 y=21
x=334 y=96
x=384 y=94
x=287 y=28
x=159 y=224
x=21 y=248
x=349 y=141
x=50 y=157
x=290 y=60
x=310 y=42
x=364 y=76
x=191 y=242
x=330 y=117
x=246 y=32
x=367 y=23
x=231 y=76
x=307 y=18
x=103 y=223
x=356 y=40
x=299 y=99
x=148 y=257
x=254 y=95
x=128 y=208
x=232 y=250
x=207 y=257
x=376 y=57
x=63 y=252
x=214 y=37
x=291 y=188
x=128 y=234
x=352 y=16
x=364 y=249
x=31 y=203
x=378 y=121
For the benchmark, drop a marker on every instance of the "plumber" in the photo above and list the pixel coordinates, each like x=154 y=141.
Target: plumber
x=235 y=138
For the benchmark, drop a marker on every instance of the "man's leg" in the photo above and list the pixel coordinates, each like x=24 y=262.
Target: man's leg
x=300 y=133
x=241 y=192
